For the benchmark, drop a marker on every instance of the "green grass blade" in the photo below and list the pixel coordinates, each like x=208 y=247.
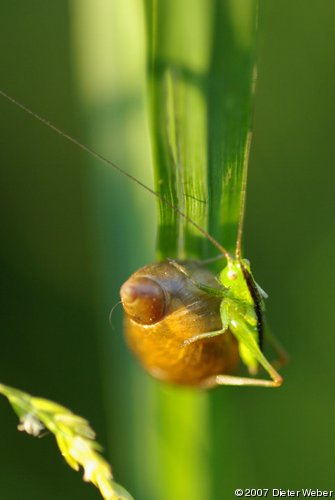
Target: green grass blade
x=231 y=82
x=178 y=108
x=202 y=73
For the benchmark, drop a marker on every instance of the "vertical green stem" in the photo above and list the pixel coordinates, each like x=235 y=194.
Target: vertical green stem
x=201 y=81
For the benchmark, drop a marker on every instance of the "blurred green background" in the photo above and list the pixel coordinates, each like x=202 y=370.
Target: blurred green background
x=72 y=232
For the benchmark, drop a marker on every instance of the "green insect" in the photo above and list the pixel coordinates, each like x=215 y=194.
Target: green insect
x=242 y=312
x=242 y=309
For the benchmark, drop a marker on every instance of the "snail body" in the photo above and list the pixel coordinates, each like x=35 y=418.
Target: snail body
x=163 y=309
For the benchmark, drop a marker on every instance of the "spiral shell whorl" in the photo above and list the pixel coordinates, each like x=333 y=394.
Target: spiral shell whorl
x=143 y=299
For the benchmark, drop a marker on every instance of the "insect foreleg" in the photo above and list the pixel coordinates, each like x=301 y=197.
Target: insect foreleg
x=205 y=262
x=208 y=335
x=203 y=336
x=218 y=292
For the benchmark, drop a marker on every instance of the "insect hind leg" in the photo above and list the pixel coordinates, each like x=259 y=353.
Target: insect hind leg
x=218 y=380
x=244 y=335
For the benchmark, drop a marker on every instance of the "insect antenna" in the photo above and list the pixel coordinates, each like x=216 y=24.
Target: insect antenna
x=238 y=250
x=105 y=160
x=111 y=314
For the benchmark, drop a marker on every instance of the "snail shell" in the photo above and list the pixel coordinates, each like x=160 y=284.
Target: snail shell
x=163 y=308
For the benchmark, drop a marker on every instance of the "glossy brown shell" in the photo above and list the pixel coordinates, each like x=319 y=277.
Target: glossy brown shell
x=179 y=310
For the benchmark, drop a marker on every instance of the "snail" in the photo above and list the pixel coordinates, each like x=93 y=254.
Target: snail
x=163 y=309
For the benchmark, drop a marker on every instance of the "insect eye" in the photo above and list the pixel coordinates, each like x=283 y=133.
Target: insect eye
x=232 y=275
